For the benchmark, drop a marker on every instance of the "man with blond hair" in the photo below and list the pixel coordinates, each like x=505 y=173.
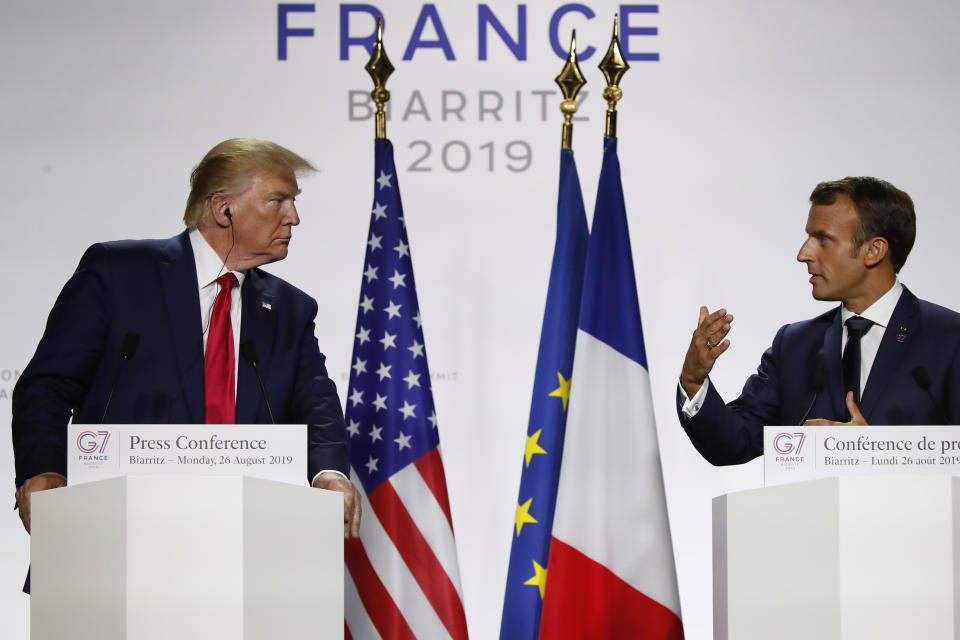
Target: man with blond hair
x=164 y=313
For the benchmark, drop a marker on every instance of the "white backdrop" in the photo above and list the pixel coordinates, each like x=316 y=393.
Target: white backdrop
x=106 y=105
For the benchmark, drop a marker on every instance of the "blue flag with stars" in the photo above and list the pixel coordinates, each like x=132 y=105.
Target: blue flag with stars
x=551 y=391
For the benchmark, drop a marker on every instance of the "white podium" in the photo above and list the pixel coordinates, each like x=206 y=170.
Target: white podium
x=849 y=558
x=180 y=557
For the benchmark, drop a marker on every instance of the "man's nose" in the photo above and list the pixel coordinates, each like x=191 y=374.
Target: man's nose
x=293 y=218
x=804 y=254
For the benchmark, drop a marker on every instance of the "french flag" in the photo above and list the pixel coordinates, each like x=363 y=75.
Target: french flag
x=611 y=571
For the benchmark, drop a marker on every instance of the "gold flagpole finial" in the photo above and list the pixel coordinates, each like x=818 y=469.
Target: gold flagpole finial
x=379 y=68
x=613 y=67
x=570 y=82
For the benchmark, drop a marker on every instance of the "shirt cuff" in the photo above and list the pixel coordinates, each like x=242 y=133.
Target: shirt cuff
x=691 y=406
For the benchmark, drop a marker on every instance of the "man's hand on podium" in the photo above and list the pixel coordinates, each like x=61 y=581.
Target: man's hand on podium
x=39 y=482
x=856 y=418
x=351 y=500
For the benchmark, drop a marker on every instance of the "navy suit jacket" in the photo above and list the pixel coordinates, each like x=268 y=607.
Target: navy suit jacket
x=920 y=335
x=149 y=288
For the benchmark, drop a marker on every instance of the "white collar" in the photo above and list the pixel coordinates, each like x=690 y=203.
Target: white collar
x=209 y=265
x=880 y=311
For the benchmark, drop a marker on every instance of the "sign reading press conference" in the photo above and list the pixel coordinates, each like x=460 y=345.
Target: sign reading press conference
x=794 y=454
x=271 y=452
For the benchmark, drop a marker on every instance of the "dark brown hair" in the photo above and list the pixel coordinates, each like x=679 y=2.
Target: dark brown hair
x=884 y=211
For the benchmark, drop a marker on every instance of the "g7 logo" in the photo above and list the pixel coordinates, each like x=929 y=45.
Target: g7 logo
x=787 y=443
x=93 y=441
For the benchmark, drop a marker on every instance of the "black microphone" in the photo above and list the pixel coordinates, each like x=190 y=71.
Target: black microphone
x=819 y=382
x=249 y=352
x=922 y=378
x=128 y=349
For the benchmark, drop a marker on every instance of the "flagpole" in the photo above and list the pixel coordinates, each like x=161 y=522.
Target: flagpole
x=537 y=493
x=570 y=80
x=402 y=579
x=380 y=68
x=613 y=67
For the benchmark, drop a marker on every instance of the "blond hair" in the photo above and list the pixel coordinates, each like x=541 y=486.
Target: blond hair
x=228 y=167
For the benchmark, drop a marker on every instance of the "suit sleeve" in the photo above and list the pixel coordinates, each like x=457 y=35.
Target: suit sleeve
x=733 y=433
x=316 y=403
x=56 y=379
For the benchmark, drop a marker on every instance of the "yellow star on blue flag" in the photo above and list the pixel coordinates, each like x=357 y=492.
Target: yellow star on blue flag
x=545 y=429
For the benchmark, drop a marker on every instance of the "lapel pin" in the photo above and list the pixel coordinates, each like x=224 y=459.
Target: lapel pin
x=903 y=334
x=267 y=306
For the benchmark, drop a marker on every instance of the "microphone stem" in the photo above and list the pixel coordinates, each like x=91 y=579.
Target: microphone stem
x=263 y=392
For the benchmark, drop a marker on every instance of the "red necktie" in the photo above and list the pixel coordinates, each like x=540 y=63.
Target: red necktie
x=218 y=369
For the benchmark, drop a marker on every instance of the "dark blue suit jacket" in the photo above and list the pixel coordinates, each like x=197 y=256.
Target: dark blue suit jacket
x=149 y=287
x=920 y=335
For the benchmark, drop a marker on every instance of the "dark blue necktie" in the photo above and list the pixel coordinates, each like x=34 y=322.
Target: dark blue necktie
x=856 y=327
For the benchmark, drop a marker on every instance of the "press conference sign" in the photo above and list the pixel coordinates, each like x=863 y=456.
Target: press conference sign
x=271 y=452
x=794 y=454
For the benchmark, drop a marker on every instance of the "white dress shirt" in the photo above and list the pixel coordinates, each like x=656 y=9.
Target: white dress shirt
x=879 y=313
x=209 y=268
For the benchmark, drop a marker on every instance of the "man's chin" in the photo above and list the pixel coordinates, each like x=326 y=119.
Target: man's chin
x=278 y=252
x=823 y=296
x=259 y=260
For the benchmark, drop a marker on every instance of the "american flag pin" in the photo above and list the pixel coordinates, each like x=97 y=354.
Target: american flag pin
x=267 y=306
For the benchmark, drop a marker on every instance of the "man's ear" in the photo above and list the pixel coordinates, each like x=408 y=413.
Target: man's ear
x=875 y=251
x=219 y=210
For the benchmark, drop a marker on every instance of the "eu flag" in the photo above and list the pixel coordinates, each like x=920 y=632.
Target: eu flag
x=545 y=431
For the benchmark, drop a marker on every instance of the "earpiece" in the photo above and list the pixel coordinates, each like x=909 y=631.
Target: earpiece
x=227 y=213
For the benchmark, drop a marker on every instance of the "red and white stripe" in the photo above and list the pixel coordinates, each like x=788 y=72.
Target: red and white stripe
x=402 y=577
x=611 y=570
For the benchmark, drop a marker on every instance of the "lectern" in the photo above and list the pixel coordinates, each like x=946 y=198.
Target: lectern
x=851 y=558
x=156 y=558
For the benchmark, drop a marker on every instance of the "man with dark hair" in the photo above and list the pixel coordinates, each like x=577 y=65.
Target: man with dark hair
x=881 y=357
x=190 y=302
x=884 y=211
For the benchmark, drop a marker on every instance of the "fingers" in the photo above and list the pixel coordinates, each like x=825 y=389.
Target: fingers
x=855 y=416
x=23 y=507
x=352 y=503
x=352 y=507
x=820 y=422
x=714 y=328
x=720 y=349
x=707 y=344
x=39 y=482
x=353 y=519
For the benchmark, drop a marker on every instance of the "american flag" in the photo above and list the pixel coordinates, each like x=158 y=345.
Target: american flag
x=402 y=579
